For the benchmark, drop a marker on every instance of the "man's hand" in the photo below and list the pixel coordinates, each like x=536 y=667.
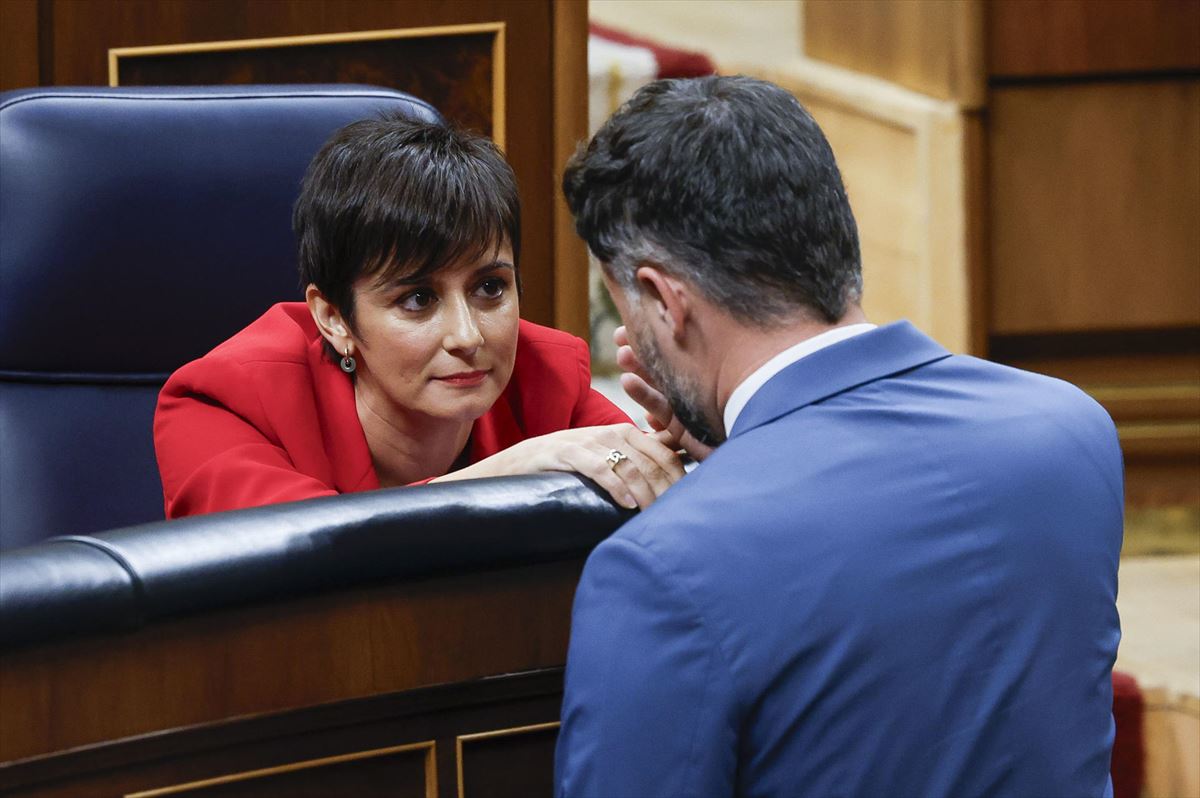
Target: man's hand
x=659 y=415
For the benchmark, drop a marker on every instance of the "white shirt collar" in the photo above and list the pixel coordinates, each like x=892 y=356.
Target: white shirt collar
x=758 y=378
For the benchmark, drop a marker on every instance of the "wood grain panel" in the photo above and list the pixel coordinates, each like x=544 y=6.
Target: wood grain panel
x=18 y=44
x=570 y=125
x=931 y=46
x=406 y=770
x=1158 y=482
x=1037 y=38
x=1094 y=204
x=902 y=158
x=507 y=763
x=78 y=36
x=453 y=71
x=276 y=657
x=1172 y=728
x=365 y=743
x=879 y=164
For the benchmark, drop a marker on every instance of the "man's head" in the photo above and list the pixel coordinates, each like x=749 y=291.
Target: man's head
x=726 y=187
x=726 y=182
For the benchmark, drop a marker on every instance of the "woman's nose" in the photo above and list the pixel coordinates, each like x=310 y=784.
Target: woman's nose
x=462 y=328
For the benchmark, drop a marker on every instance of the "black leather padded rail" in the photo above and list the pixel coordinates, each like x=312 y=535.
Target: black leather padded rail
x=139 y=228
x=123 y=578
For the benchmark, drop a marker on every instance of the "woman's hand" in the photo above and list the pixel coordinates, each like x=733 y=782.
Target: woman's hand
x=659 y=415
x=645 y=469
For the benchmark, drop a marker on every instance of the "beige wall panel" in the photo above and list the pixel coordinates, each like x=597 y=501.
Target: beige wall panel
x=1095 y=197
x=1172 y=729
x=736 y=34
x=934 y=47
x=879 y=166
x=901 y=156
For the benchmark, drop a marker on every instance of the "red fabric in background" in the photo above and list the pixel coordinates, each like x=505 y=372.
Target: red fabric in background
x=1129 y=750
x=672 y=62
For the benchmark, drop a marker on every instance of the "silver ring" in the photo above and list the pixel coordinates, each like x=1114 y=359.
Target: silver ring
x=615 y=456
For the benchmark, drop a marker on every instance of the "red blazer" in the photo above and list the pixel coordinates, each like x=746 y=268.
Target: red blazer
x=267 y=417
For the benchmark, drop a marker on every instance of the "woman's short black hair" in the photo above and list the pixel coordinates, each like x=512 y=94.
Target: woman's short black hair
x=397 y=197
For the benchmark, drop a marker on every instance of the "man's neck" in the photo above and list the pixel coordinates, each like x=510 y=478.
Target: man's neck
x=746 y=349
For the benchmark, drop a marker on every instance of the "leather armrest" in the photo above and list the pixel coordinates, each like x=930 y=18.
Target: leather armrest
x=125 y=577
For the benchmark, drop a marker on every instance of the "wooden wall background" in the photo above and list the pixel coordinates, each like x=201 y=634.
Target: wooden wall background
x=544 y=92
x=442 y=688
x=1076 y=124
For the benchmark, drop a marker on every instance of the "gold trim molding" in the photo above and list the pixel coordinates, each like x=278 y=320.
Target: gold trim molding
x=497 y=29
x=429 y=746
x=490 y=735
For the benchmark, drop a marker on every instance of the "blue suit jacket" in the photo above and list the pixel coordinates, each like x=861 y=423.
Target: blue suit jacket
x=896 y=578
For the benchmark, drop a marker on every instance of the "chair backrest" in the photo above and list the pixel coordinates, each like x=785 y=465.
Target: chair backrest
x=139 y=227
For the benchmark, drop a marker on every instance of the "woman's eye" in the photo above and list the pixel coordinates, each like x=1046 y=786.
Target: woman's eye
x=420 y=299
x=492 y=287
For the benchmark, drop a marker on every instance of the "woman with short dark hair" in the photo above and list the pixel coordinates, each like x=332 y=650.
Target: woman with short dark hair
x=407 y=362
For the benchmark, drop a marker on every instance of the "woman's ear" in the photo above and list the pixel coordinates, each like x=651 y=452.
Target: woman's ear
x=329 y=320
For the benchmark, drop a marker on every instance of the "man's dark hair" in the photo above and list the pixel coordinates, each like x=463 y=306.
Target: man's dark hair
x=728 y=183
x=397 y=197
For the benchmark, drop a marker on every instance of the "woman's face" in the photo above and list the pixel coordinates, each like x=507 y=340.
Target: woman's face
x=442 y=346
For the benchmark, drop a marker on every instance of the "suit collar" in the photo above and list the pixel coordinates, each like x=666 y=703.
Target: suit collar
x=865 y=358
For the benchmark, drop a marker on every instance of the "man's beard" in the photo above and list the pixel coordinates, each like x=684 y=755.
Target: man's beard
x=682 y=394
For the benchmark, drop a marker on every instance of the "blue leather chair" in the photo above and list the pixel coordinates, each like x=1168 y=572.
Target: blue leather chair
x=139 y=227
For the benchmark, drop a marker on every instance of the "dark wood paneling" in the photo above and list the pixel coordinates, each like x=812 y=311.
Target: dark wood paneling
x=1094 y=197
x=932 y=46
x=349 y=747
x=18 y=44
x=453 y=72
x=78 y=35
x=364 y=775
x=276 y=657
x=1162 y=482
x=1039 y=38
x=570 y=124
x=511 y=763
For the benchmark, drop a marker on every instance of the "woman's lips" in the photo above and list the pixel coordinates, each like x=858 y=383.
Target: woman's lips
x=464 y=379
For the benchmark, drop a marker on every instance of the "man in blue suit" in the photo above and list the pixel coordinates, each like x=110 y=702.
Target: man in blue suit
x=895 y=573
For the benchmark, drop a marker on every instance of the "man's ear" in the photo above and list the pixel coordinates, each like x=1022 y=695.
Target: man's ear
x=667 y=298
x=329 y=320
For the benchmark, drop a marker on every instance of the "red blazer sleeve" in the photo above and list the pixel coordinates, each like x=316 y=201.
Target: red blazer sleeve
x=216 y=447
x=256 y=423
